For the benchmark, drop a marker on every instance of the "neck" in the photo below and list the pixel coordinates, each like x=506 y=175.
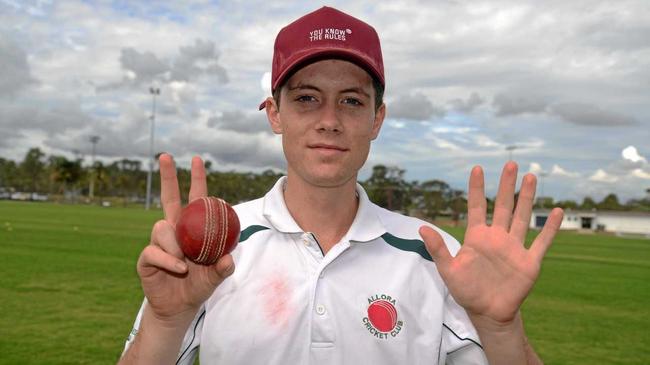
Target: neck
x=328 y=212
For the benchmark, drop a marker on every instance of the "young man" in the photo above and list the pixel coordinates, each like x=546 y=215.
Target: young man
x=322 y=275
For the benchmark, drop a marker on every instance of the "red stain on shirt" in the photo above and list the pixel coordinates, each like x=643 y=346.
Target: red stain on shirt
x=276 y=296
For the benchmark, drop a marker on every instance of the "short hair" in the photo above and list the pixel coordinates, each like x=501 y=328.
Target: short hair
x=376 y=84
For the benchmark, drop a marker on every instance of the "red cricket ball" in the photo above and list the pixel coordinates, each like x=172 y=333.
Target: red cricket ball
x=207 y=229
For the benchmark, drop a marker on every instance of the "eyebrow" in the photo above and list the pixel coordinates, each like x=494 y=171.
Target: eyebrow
x=303 y=87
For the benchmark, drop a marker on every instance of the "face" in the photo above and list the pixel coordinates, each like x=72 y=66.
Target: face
x=327 y=119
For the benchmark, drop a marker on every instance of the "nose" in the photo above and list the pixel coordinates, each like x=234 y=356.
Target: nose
x=330 y=121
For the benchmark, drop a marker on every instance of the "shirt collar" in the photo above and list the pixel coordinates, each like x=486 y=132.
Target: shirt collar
x=276 y=211
x=366 y=225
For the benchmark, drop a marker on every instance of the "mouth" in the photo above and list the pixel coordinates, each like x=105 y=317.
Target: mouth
x=328 y=151
x=327 y=147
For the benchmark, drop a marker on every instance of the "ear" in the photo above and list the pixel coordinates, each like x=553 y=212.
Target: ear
x=380 y=114
x=273 y=115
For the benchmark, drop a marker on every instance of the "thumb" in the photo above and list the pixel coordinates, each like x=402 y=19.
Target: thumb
x=223 y=268
x=435 y=246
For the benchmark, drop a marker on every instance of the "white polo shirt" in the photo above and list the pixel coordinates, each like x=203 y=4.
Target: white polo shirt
x=375 y=298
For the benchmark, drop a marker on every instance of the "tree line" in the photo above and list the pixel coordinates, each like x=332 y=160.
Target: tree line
x=125 y=179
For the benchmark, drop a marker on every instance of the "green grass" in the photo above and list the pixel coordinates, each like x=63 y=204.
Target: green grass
x=68 y=283
x=69 y=291
x=591 y=304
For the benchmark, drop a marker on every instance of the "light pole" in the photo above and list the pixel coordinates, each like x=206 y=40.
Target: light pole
x=153 y=91
x=542 y=175
x=510 y=148
x=91 y=188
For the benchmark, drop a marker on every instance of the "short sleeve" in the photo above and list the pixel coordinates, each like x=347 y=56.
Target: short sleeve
x=460 y=342
x=190 y=345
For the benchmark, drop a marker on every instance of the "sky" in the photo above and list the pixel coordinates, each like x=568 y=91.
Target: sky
x=562 y=87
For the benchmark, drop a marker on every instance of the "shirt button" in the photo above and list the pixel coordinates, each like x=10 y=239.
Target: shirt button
x=305 y=241
x=320 y=309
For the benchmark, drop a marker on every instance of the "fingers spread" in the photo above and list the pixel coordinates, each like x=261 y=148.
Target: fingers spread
x=505 y=196
x=436 y=246
x=476 y=204
x=545 y=238
x=198 y=187
x=153 y=258
x=169 y=192
x=164 y=236
x=524 y=209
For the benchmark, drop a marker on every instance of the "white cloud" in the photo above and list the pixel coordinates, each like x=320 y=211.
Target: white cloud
x=453 y=129
x=396 y=124
x=641 y=174
x=557 y=170
x=445 y=144
x=601 y=176
x=485 y=141
x=630 y=153
x=265 y=83
x=535 y=168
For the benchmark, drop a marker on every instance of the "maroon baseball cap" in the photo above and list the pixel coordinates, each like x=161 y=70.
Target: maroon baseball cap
x=323 y=34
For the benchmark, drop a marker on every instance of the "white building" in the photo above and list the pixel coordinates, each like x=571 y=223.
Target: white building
x=606 y=221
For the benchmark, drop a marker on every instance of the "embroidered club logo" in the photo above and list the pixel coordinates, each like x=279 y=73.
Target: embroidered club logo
x=382 y=320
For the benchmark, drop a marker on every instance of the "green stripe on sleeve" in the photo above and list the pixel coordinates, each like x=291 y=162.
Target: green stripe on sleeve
x=249 y=231
x=416 y=246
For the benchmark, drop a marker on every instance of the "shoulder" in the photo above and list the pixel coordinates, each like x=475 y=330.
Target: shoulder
x=402 y=231
x=250 y=211
x=251 y=218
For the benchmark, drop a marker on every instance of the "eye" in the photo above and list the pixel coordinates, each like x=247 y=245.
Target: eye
x=352 y=101
x=305 y=98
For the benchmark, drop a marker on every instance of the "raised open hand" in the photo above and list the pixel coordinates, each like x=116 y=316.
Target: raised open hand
x=493 y=272
x=173 y=284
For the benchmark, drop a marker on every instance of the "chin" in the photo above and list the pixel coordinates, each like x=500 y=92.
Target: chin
x=329 y=180
x=325 y=175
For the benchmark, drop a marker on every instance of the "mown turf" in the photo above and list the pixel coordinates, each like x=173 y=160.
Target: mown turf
x=591 y=304
x=69 y=291
x=68 y=284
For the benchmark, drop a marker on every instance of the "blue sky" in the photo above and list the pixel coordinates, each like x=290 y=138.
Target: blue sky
x=565 y=83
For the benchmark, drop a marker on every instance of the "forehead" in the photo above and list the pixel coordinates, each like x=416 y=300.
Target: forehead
x=333 y=73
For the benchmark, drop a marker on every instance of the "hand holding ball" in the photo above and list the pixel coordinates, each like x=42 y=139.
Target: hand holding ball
x=208 y=228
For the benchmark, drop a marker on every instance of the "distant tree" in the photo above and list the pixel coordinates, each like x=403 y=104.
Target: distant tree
x=376 y=185
x=127 y=178
x=435 y=197
x=610 y=202
x=642 y=205
x=102 y=182
x=387 y=188
x=567 y=204
x=9 y=174
x=65 y=173
x=32 y=170
x=588 y=203
x=544 y=202
x=458 y=204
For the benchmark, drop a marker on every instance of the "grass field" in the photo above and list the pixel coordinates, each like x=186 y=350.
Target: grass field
x=69 y=291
